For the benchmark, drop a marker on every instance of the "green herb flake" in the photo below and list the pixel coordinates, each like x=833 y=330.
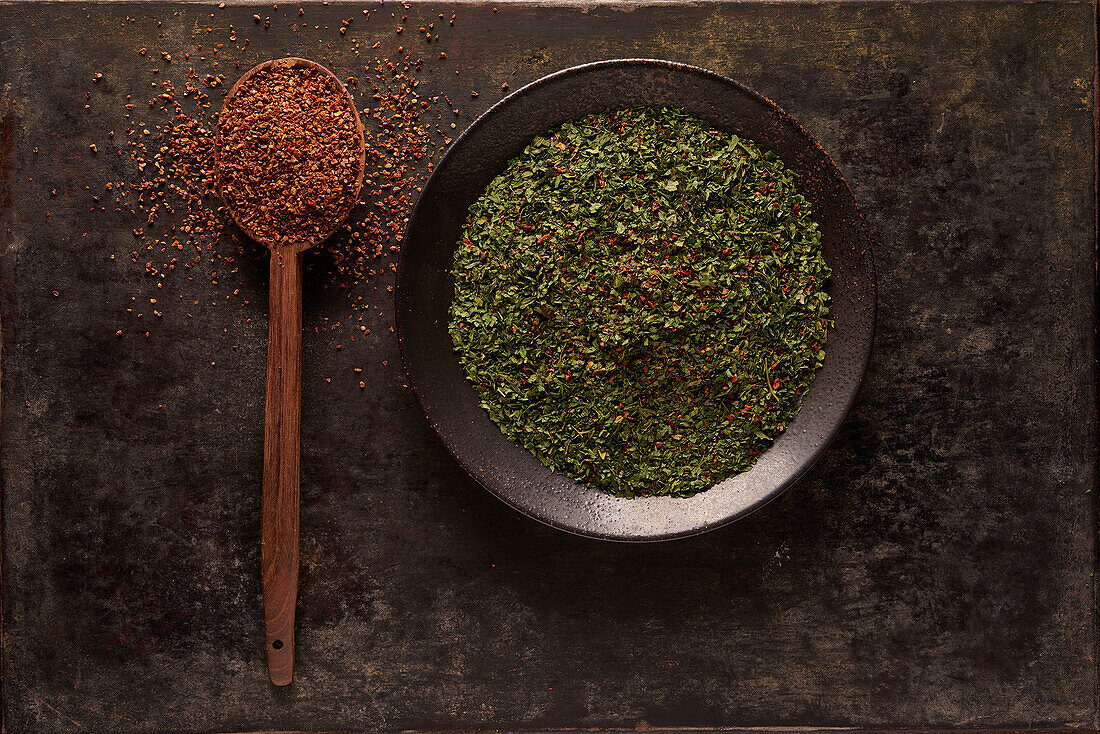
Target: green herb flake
x=640 y=301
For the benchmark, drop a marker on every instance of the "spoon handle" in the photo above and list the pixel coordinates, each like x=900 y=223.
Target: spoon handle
x=282 y=427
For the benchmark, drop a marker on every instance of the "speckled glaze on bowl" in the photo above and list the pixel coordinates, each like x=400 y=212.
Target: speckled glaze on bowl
x=425 y=289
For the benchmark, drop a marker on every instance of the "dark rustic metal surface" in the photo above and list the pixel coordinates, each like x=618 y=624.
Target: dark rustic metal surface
x=425 y=290
x=933 y=569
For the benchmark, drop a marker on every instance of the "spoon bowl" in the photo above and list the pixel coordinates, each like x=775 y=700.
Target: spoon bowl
x=235 y=215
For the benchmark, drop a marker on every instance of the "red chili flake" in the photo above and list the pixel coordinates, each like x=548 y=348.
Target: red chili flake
x=289 y=108
x=176 y=191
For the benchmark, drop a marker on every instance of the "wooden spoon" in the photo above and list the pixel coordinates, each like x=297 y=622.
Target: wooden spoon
x=283 y=413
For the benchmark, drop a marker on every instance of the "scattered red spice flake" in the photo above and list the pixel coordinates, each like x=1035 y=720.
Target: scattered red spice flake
x=184 y=230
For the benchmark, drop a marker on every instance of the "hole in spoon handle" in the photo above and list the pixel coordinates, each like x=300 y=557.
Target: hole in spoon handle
x=282 y=431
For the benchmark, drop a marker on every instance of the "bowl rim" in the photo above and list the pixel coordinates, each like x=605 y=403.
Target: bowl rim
x=812 y=456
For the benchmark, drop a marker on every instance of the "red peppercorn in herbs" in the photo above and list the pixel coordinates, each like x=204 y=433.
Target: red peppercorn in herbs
x=289 y=154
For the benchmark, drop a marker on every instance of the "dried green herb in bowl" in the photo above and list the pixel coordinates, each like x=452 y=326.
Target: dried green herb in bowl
x=640 y=301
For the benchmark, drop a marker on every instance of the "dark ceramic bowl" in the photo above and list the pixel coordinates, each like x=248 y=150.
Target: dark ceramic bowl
x=425 y=290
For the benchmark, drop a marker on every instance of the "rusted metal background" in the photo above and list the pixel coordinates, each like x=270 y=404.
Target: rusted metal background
x=934 y=569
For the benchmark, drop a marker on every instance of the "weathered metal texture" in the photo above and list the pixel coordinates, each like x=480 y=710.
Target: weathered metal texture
x=934 y=568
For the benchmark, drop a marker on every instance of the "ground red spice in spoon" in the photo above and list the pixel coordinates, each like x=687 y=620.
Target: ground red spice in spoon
x=288 y=154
